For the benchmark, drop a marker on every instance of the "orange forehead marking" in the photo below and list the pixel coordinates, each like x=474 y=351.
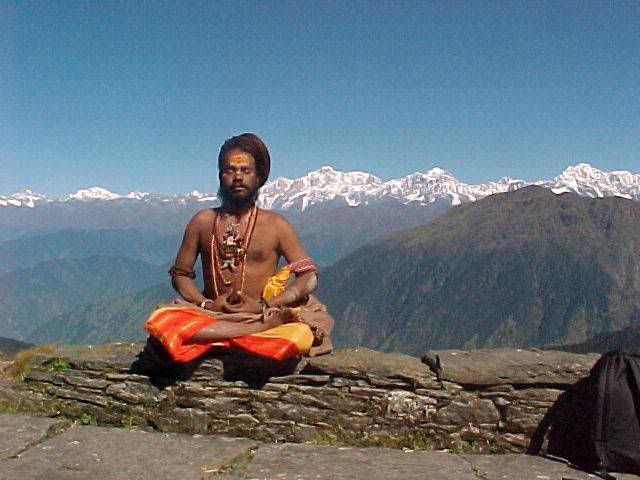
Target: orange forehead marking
x=238 y=158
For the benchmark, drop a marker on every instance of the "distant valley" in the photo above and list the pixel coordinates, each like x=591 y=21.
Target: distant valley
x=626 y=339
x=154 y=248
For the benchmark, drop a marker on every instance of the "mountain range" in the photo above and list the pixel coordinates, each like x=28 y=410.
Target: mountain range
x=9 y=347
x=525 y=268
x=361 y=188
x=104 y=321
x=334 y=212
x=82 y=267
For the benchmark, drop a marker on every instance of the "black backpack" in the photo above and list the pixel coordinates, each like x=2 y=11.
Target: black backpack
x=616 y=414
x=596 y=424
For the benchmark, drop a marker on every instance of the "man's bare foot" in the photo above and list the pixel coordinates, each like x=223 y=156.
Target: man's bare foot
x=325 y=347
x=282 y=316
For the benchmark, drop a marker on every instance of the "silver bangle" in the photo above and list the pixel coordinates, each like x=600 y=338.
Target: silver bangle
x=204 y=302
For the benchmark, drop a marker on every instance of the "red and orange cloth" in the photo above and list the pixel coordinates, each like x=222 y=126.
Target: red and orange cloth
x=173 y=325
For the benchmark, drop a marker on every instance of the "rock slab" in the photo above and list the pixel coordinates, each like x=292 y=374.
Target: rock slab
x=104 y=453
x=119 y=454
x=18 y=432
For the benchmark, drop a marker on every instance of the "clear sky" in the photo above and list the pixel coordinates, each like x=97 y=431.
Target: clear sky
x=138 y=95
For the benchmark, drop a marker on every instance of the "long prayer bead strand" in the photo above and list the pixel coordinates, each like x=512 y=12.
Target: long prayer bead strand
x=215 y=254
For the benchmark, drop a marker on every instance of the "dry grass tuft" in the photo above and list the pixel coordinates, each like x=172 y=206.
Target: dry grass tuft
x=22 y=360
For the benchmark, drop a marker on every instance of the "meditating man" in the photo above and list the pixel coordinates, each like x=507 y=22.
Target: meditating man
x=245 y=303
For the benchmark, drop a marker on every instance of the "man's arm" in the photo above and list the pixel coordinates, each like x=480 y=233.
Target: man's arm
x=320 y=321
x=292 y=250
x=297 y=291
x=182 y=270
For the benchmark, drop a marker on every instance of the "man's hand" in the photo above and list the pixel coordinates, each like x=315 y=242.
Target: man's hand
x=234 y=302
x=241 y=303
x=218 y=304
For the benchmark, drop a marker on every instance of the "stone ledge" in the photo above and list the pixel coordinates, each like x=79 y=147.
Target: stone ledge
x=507 y=366
x=487 y=401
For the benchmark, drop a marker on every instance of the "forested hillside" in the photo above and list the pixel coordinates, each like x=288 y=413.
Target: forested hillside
x=526 y=268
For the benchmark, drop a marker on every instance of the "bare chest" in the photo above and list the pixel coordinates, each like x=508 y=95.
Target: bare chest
x=260 y=246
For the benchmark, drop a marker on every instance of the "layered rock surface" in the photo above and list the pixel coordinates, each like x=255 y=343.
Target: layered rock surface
x=484 y=401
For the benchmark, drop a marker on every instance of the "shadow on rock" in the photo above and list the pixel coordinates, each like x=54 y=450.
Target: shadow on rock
x=227 y=365
x=255 y=371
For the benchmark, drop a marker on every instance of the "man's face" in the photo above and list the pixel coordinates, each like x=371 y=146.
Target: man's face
x=238 y=178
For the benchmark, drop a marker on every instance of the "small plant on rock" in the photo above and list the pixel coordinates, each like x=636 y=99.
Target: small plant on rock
x=58 y=365
x=88 y=419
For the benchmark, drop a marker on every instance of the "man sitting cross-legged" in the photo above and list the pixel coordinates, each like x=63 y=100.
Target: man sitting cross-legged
x=245 y=303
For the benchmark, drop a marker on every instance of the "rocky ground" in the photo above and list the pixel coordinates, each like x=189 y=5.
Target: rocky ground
x=57 y=449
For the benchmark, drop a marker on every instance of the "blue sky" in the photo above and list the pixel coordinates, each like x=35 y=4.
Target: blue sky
x=140 y=95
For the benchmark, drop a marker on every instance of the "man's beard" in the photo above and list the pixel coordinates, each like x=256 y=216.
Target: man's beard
x=228 y=200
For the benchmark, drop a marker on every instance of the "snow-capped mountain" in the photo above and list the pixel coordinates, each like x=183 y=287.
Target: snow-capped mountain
x=93 y=193
x=26 y=198
x=588 y=181
x=320 y=186
x=438 y=184
x=435 y=185
x=361 y=188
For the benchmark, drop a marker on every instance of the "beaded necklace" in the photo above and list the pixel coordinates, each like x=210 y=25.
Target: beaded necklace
x=232 y=249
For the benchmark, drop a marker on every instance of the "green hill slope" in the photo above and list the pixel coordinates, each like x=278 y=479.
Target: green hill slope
x=120 y=319
x=30 y=297
x=526 y=268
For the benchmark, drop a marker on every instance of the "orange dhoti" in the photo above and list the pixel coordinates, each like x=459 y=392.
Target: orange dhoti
x=174 y=325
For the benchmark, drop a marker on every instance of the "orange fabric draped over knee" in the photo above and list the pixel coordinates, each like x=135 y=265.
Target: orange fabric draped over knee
x=173 y=326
